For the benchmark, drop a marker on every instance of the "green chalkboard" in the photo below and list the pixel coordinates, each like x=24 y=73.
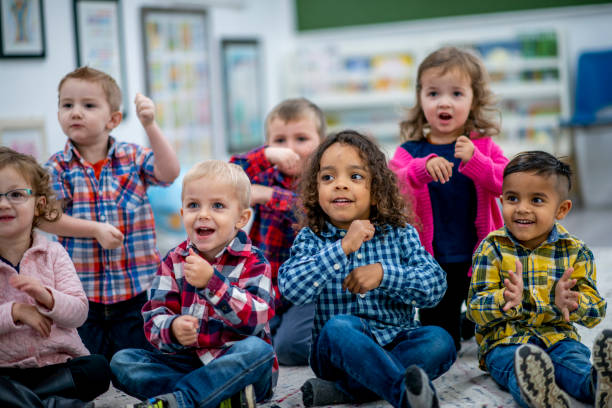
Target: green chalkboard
x=317 y=14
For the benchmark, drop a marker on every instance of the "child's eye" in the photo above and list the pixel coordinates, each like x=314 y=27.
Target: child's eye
x=90 y=105
x=357 y=176
x=193 y=205
x=278 y=140
x=326 y=177
x=67 y=105
x=218 y=205
x=512 y=199
x=537 y=200
x=432 y=93
x=302 y=139
x=458 y=93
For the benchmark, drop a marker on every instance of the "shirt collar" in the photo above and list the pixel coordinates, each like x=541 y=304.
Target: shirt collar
x=331 y=231
x=71 y=151
x=240 y=246
x=557 y=233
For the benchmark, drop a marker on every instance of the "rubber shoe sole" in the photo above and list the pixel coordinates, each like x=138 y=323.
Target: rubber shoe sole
x=535 y=375
x=602 y=361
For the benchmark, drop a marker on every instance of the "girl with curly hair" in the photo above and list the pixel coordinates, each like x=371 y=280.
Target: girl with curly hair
x=452 y=170
x=360 y=261
x=43 y=360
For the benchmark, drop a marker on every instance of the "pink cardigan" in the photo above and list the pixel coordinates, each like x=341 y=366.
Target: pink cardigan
x=22 y=346
x=485 y=168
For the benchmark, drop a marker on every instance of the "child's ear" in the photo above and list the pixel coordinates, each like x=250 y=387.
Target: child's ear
x=40 y=204
x=564 y=209
x=114 y=121
x=245 y=216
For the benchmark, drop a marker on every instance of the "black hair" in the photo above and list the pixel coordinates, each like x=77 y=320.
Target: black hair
x=542 y=164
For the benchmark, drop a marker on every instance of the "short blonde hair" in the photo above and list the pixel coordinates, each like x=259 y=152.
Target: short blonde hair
x=225 y=172
x=295 y=109
x=109 y=85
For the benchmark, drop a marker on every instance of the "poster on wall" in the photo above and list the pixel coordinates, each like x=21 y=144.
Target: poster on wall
x=22 y=29
x=177 y=68
x=98 y=33
x=243 y=94
x=26 y=136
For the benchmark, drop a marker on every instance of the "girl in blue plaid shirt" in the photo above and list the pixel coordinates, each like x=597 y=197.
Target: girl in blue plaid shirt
x=362 y=264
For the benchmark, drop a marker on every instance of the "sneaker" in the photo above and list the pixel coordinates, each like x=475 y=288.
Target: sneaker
x=150 y=403
x=602 y=361
x=535 y=375
x=243 y=399
x=418 y=391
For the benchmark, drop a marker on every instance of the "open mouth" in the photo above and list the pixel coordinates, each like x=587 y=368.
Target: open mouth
x=524 y=222
x=342 y=201
x=204 y=231
x=6 y=217
x=445 y=116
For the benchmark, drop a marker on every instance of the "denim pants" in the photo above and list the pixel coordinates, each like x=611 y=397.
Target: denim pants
x=571 y=359
x=144 y=374
x=116 y=326
x=293 y=334
x=346 y=353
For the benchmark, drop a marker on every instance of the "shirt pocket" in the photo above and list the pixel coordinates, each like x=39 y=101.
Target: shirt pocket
x=128 y=191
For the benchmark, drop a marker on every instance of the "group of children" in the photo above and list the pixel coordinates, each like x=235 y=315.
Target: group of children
x=376 y=243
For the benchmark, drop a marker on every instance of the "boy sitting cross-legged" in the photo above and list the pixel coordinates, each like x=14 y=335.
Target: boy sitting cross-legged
x=531 y=282
x=210 y=305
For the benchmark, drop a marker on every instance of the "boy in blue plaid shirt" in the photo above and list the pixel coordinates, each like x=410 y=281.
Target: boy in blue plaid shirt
x=363 y=266
x=531 y=282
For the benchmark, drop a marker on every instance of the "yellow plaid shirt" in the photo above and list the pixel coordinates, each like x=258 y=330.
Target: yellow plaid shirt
x=542 y=268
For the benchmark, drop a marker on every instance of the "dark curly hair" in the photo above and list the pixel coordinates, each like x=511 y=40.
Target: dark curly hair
x=39 y=180
x=484 y=118
x=390 y=208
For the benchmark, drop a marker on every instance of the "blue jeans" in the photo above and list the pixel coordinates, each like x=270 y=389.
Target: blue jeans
x=293 y=336
x=346 y=353
x=144 y=374
x=571 y=359
x=116 y=326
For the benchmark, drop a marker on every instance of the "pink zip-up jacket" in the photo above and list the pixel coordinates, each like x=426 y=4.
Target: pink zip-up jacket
x=20 y=345
x=485 y=169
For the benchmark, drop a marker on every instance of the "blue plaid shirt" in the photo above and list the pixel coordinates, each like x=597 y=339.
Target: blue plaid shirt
x=411 y=278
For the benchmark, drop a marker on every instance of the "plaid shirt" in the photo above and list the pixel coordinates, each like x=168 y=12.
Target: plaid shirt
x=236 y=303
x=272 y=228
x=411 y=278
x=119 y=197
x=542 y=268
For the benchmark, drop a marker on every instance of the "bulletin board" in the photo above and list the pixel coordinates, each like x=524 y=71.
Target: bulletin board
x=319 y=14
x=177 y=73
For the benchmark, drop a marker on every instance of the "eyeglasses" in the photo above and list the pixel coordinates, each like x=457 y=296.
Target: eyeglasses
x=17 y=196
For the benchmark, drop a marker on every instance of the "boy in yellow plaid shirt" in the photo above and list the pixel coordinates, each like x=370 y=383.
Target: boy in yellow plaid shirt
x=531 y=281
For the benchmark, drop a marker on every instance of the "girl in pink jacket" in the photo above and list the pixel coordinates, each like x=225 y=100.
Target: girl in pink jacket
x=452 y=170
x=42 y=359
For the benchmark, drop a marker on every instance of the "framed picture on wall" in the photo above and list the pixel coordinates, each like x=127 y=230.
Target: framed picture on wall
x=25 y=136
x=242 y=91
x=22 y=29
x=98 y=32
x=177 y=74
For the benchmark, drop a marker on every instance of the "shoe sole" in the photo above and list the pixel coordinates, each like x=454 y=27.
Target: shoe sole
x=602 y=358
x=249 y=397
x=535 y=375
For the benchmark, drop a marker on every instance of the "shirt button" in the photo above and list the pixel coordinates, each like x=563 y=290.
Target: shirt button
x=359 y=256
x=342 y=233
x=414 y=303
x=102 y=218
x=362 y=295
x=336 y=266
x=316 y=284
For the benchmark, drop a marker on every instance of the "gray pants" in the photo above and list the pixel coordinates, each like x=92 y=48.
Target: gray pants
x=293 y=334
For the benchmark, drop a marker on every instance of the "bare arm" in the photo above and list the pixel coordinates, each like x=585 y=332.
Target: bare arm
x=106 y=234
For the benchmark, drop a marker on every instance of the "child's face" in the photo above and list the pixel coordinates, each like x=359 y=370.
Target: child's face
x=212 y=215
x=298 y=135
x=446 y=100
x=16 y=219
x=344 y=183
x=84 y=113
x=530 y=205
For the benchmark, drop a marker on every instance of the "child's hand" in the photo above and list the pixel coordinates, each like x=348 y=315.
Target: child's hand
x=439 y=169
x=33 y=287
x=108 y=236
x=260 y=194
x=359 y=231
x=513 y=294
x=145 y=109
x=565 y=298
x=464 y=148
x=197 y=270
x=28 y=314
x=284 y=158
x=363 y=279
x=185 y=329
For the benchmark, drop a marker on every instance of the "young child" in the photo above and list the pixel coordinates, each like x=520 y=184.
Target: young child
x=210 y=305
x=452 y=170
x=294 y=129
x=531 y=282
x=362 y=264
x=42 y=360
x=108 y=227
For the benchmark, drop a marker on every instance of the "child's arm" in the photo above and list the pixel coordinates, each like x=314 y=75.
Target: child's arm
x=107 y=235
x=410 y=169
x=487 y=171
x=590 y=306
x=23 y=313
x=166 y=167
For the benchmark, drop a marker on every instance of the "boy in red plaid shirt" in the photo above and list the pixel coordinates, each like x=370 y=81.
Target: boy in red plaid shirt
x=294 y=129
x=211 y=301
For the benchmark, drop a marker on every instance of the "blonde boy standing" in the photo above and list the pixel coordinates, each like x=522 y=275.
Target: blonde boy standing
x=107 y=226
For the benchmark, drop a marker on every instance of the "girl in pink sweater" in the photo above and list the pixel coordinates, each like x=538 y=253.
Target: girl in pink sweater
x=452 y=170
x=42 y=359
